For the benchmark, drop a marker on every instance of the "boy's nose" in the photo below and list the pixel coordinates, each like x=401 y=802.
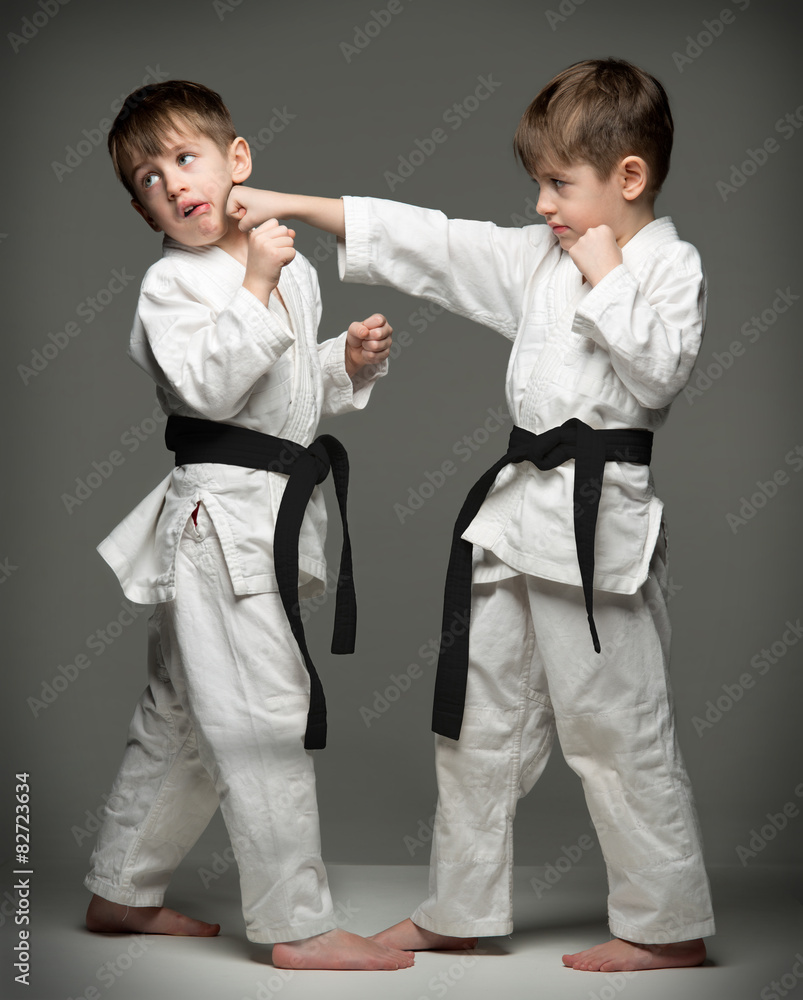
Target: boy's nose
x=174 y=183
x=544 y=205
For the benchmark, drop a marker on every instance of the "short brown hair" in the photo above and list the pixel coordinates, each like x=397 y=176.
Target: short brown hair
x=150 y=112
x=598 y=111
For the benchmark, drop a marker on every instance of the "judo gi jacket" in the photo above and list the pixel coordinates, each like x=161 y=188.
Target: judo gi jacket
x=216 y=352
x=614 y=356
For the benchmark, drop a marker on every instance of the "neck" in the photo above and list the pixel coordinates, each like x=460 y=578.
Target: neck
x=234 y=243
x=635 y=220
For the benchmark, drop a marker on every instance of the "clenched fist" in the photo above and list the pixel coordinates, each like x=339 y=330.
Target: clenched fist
x=270 y=248
x=367 y=343
x=596 y=253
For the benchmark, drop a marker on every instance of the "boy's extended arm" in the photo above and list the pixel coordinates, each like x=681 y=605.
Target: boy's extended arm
x=252 y=207
x=474 y=269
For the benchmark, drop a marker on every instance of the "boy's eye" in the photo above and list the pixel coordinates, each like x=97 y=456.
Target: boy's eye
x=185 y=158
x=557 y=183
x=149 y=180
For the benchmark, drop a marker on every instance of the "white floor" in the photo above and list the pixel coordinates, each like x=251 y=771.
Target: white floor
x=760 y=933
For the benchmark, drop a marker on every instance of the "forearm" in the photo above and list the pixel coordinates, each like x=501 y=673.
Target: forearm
x=652 y=344
x=323 y=213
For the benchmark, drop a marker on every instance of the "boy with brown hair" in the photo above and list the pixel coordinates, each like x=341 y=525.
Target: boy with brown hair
x=605 y=308
x=226 y=326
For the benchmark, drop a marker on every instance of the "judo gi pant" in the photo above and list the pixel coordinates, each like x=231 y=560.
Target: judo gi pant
x=533 y=671
x=221 y=723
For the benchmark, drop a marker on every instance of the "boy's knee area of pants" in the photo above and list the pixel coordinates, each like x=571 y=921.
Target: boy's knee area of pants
x=484 y=730
x=625 y=731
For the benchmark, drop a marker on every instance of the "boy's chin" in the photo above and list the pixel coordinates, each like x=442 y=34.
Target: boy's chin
x=198 y=239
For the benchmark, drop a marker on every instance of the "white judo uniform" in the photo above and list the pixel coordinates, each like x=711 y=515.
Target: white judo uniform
x=222 y=720
x=613 y=356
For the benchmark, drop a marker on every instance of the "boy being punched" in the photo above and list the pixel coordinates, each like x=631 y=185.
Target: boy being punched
x=605 y=307
x=226 y=326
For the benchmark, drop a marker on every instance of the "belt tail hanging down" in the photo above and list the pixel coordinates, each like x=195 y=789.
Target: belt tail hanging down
x=195 y=440
x=590 y=449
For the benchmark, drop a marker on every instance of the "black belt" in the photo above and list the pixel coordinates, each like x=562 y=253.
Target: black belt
x=590 y=449
x=194 y=440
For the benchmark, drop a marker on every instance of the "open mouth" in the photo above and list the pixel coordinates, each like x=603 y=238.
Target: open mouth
x=193 y=209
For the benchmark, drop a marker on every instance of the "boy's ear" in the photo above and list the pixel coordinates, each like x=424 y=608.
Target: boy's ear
x=141 y=211
x=634 y=174
x=240 y=159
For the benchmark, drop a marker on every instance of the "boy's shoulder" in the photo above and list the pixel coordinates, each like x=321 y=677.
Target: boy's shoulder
x=194 y=269
x=657 y=246
x=179 y=261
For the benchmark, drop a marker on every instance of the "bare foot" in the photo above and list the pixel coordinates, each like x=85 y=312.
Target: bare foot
x=106 y=917
x=410 y=936
x=625 y=956
x=339 y=949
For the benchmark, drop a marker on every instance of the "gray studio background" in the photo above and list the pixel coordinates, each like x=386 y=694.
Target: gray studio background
x=347 y=116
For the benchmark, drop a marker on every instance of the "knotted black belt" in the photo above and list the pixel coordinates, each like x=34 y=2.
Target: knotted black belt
x=590 y=449
x=194 y=440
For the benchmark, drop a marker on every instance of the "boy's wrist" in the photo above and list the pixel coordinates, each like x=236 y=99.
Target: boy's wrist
x=284 y=205
x=259 y=287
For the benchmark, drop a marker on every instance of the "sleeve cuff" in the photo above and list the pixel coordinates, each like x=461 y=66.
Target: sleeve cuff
x=344 y=391
x=270 y=330
x=616 y=284
x=354 y=253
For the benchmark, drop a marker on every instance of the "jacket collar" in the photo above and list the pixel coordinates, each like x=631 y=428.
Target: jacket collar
x=228 y=271
x=648 y=238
